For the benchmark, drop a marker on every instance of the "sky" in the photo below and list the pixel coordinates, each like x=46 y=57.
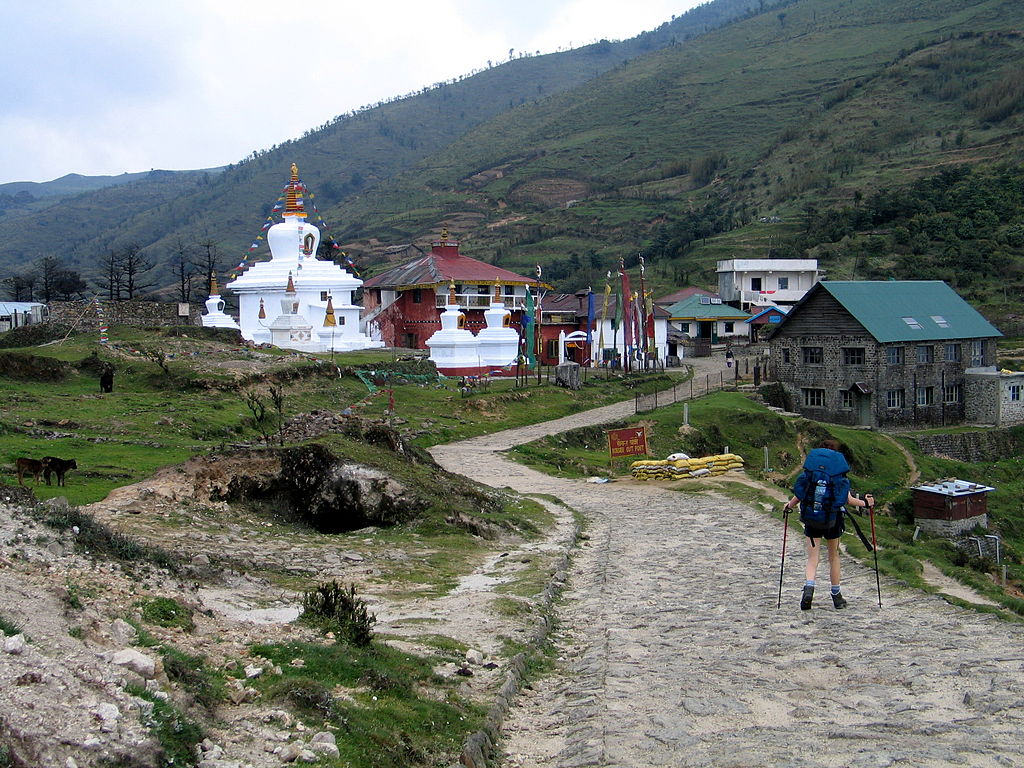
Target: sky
x=104 y=87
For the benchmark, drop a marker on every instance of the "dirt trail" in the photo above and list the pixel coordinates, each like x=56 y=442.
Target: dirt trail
x=672 y=651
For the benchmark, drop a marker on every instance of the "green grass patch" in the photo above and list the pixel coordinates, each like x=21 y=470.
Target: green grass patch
x=176 y=733
x=166 y=612
x=388 y=708
x=8 y=627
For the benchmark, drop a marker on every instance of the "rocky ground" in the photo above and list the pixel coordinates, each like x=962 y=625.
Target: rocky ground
x=671 y=649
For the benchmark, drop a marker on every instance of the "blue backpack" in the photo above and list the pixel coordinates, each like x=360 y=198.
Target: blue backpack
x=822 y=488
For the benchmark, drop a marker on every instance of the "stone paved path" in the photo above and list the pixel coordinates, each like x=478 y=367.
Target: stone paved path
x=673 y=652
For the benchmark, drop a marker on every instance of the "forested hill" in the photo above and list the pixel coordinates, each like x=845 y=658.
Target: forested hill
x=338 y=160
x=738 y=142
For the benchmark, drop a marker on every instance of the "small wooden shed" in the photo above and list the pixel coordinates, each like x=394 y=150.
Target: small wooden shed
x=950 y=507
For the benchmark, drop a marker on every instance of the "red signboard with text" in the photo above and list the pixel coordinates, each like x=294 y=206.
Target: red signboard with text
x=627 y=442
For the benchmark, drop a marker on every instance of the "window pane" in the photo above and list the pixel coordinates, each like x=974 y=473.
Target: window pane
x=894 y=355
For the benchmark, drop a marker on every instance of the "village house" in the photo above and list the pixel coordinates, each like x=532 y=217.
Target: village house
x=759 y=283
x=763 y=323
x=702 y=321
x=881 y=354
x=14 y=314
x=403 y=305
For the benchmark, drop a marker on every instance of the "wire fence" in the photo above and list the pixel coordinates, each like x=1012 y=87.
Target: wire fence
x=700 y=385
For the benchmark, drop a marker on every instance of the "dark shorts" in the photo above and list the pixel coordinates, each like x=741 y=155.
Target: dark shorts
x=832 y=533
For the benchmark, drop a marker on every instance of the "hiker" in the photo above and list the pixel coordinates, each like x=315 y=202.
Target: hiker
x=728 y=358
x=823 y=491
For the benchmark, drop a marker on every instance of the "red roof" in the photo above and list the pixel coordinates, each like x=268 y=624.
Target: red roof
x=681 y=294
x=444 y=264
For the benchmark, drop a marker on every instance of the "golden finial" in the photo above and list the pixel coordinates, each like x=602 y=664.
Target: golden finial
x=451 y=293
x=444 y=233
x=293 y=203
x=329 y=320
x=263 y=312
x=291 y=284
x=497 y=292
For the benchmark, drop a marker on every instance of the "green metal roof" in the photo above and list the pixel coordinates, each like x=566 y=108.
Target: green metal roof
x=691 y=308
x=909 y=310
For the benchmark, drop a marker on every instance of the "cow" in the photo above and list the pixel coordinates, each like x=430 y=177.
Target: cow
x=58 y=467
x=33 y=467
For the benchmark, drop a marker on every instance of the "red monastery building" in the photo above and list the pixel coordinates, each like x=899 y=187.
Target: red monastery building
x=404 y=304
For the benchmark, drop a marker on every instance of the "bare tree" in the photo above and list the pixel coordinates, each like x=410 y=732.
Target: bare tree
x=58 y=282
x=206 y=262
x=135 y=264
x=111 y=276
x=20 y=287
x=184 y=268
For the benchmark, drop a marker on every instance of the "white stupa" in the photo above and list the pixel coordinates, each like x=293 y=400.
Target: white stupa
x=215 y=317
x=293 y=245
x=498 y=343
x=453 y=349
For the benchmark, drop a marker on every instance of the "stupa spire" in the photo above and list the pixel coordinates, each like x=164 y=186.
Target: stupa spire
x=294 y=204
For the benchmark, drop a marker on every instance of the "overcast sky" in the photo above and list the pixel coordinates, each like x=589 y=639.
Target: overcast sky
x=103 y=87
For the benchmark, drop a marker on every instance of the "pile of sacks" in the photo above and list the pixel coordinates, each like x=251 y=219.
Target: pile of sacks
x=679 y=465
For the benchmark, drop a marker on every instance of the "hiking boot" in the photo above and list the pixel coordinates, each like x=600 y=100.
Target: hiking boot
x=805 y=601
x=838 y=600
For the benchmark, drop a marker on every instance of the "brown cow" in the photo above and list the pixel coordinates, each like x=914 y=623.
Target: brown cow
x=33 y=467
x=58 y=467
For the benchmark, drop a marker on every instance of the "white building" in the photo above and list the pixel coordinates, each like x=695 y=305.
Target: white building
x=17 y=313
x=261 y=288
x=762 y=283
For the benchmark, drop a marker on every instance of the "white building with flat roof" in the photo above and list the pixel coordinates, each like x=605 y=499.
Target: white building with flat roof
x=763 y=283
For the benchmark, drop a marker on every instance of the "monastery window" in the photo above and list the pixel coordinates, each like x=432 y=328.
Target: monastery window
x=853 y=355
x=552 y=349
x=925 y=395
x=812 y=397
x=925 y=353
x=894 y=355
x=847 y=398
x=1015 y=392
x=417 y=296
x=895 y=398
x=814 y=355
x=951 y=393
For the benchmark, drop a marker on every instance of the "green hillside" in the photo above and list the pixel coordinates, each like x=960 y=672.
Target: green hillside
x=695 y=142
x=338 y=160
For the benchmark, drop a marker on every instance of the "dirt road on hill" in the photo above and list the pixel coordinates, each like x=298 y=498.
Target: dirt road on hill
x=672 y=651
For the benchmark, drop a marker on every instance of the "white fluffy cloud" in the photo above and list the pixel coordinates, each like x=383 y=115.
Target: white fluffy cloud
x=113 y=86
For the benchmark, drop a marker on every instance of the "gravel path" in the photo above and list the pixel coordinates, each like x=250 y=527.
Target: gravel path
x=673 y=652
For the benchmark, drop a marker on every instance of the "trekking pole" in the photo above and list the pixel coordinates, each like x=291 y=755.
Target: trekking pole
x=785 y=530
x=874 y=546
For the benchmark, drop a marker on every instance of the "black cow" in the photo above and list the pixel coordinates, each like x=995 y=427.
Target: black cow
x=58 y=467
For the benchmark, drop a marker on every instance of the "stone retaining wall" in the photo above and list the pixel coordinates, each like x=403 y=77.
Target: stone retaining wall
x=85 y=315
x=990 y=445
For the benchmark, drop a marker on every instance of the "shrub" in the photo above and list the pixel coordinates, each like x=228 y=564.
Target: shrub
x=167 y=612
x=305 y=694
x=8 y=627
x=333 y=608
x=775 y=395
x=192 y=674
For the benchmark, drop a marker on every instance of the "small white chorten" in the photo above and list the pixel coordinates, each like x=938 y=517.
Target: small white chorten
x=290 y=330
x=498 y=342
x=215 y=317
x=453 y=349
x=293 y=244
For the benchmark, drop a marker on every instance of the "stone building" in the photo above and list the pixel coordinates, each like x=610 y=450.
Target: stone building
x=882 y=354
x=995 y=397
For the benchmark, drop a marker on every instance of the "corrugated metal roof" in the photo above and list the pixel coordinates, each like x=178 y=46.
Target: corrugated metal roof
x=10 y=307
x=909 y=310
x=693 y=308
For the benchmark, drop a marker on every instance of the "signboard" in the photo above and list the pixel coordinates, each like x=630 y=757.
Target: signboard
x=627 y=442
x=184 y=310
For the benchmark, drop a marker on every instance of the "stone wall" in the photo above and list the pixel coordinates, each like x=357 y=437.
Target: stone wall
x=85 y=315
x=951 y=529
x=990 y=445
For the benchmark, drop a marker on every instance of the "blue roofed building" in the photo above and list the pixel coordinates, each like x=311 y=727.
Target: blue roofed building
x=881 y=353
